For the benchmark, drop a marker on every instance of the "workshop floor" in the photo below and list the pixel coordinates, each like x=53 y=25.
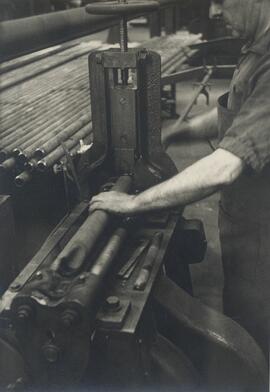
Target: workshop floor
x=207 y=276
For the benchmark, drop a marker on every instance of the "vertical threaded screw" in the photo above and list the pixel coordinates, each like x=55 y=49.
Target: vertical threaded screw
x=123 y=42
x=123 y=34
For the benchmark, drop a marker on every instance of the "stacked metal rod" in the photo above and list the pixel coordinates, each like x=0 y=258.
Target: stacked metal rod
x=45 y=103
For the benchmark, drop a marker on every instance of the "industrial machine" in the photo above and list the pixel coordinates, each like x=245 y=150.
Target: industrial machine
x=107 y=301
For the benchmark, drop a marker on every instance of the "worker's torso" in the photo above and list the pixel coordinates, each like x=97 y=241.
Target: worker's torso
x=248 y=198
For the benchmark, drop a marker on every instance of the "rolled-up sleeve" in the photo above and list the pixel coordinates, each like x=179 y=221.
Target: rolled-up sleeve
x=249 y=135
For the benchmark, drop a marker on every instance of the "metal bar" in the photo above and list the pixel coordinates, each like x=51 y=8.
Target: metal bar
x=223 y=71
x=37 y=100
x=39 y=136
x=58 y=153
x=42 y=70
x=23 y=178
x=197 y=93
x=127 y=267
x=180 y=62
x=173 y=62
x=182 y=76
x=22 y=36
x=219 y=71
x=49 y=145
x=150 y=258
x=7 y=165
x=36 y=122
x=108 y=254
x=33 y=58
x=83 y=242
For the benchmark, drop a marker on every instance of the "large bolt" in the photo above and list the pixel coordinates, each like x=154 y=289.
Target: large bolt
x=15 y=286
x=113 y=303
x=24 y=312
x=69 y=317
x=51 y=352
x=99 y=58
x=82 y=278
x=39 y=275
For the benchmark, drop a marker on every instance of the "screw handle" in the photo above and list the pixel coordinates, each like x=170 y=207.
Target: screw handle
x=123 y=9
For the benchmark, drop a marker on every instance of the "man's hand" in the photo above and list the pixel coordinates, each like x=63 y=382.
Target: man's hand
x=115 y=202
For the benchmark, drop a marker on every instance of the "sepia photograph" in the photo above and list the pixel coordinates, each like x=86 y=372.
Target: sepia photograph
x=134 y=195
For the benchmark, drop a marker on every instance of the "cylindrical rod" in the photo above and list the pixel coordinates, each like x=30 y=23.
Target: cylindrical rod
x=108 y=254
x=82 y=243
x=23 y=178
x=55 y=155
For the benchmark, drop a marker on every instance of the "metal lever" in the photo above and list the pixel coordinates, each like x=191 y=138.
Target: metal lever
x=150 y=258
x=128 y=268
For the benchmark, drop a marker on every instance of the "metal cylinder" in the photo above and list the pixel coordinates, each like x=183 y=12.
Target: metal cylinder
x=23 y=178
x=32 y=59
x=8 y=164
x=21 y=36
x=49 y=145
x=110 y=251
x=27 y=98
x=58 y=153
x=25 y=35
x=83 y=242
x=39 y=125
x=39 y=71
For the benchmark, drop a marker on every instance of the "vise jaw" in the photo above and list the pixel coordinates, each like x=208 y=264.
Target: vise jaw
x=126 y=116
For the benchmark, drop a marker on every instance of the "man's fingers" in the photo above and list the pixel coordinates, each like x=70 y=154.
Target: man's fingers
x=92 y=201
x=97 y=198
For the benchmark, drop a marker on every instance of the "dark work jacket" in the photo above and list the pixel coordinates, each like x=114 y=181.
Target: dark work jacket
x=244 y=130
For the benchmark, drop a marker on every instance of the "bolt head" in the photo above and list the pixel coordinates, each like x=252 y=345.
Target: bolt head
x=51 y=353
x=69 y=318
x=99 y=58
x=24 y=312
x=39 y=275
x=15 y=287
x=113 y=303
x=82 y=278
x=143 y=54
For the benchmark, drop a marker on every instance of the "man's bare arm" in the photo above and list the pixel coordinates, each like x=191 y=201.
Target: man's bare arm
x=196 y=182
x=199 y=127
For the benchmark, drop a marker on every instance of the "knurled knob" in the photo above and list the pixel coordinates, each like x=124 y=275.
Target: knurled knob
x=121 y=8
